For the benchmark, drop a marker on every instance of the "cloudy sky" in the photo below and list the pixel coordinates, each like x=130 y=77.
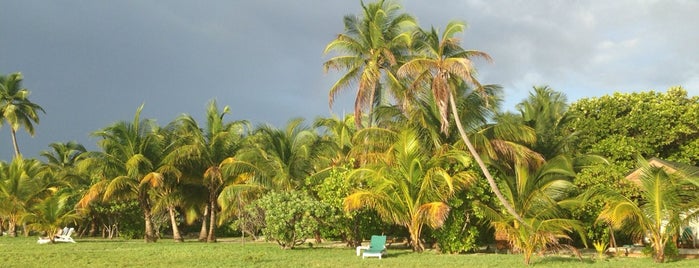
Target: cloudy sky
x=92 y=63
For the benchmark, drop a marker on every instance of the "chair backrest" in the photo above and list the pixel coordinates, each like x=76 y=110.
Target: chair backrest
x=65 y=231
x=378 y=242
x=70 y=232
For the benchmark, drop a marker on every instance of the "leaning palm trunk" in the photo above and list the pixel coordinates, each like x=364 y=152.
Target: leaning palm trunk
x=173 y=221
x=14 y=141
x=481 y=164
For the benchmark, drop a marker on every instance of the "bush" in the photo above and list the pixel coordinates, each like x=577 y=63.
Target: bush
x=289 y=218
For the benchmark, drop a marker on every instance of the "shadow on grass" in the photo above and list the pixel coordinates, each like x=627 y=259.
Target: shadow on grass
x=559 y=260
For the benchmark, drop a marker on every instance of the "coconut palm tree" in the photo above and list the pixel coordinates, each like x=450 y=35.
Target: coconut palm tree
x=540 y=195
x=443 y=66
x=410 y=184
x=63 y=161
x=132 y=154
x=284 y=157
x=203 y=154
x=546 y=111
x=665 y=204
x=368 y=50
x=51 y=214
x=21 y=186
x=15 y=108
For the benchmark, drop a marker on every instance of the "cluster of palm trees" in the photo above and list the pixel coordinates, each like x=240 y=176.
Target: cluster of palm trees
x=424 y=131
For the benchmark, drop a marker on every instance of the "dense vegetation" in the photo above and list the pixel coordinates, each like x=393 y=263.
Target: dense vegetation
x=427 y=157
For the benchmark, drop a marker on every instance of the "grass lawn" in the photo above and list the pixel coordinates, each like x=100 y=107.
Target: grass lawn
x=25 y=252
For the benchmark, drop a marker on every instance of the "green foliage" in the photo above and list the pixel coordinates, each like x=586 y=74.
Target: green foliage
x=289 y=217
x=652 y=124
x=125 y=216
x=458 y=234
x=350 y=226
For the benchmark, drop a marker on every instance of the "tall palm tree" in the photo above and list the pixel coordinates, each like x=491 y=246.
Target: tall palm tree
x=132 y=153
x=666 y=203
x=410 y=184
x=203 y=154
x=444 y=65
x=21 y=186
x=540 y=195
x=370 y=47
x=63 y=161
x=15 y=108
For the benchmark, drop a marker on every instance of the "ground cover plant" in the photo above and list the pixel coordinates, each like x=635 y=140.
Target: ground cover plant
x=24 y=252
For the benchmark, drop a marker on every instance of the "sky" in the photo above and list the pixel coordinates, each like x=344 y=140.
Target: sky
x=92 y=63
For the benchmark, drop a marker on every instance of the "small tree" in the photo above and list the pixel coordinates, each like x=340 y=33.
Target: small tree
x=50 y=214
x=659 y=212
x=289 y=217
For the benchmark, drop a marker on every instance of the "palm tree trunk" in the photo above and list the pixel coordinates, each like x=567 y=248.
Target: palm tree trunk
x=415 y=239
x=12 y=228
x=481 y=164
x=203 y=232
x=173 y=222
x=147 y=217
x=14 y=141
x=212 y=223
x=150 y=232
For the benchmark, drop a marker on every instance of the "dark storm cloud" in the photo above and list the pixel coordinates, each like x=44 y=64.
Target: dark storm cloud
x=91 y=63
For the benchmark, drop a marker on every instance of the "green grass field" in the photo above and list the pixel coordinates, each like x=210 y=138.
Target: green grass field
x=24 y=252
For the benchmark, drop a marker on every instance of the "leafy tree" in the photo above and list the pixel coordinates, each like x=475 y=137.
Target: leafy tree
x=661 y=211
x=368 y=50
x=650 y=124
x=290 y=217
x=444 y=66
x=15 y=108
x=132 y=154
x=408 y=185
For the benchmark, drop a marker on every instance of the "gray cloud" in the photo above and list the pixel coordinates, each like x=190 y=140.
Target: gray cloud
x=91 y=63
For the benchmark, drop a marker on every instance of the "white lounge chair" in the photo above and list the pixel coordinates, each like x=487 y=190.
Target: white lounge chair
x=63 y=237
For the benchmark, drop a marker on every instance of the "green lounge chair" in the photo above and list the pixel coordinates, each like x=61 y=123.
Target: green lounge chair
x=376 y=248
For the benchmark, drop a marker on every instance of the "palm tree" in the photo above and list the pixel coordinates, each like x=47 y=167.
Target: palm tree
x=410 y=184
x=204 y=152
x=15 y=108
x=338 y=134
x=63 y=161
x=539 y=194
x=666 y=200
x=443 y=67
x=369 y=49
x=132 y=153
x=283 y=157
x=21 y=186
x=546 y=111
x=50 y=214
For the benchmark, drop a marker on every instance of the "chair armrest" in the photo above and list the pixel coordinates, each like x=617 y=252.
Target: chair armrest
x=359 y=248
